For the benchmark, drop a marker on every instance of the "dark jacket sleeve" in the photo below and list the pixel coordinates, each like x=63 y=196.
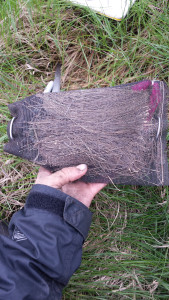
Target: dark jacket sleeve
x=45 y=245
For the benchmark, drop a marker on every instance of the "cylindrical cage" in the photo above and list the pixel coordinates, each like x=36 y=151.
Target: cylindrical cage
x=119 y=132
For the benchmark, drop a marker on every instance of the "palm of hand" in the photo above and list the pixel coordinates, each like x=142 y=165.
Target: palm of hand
x=65 y=180
x=84 y=192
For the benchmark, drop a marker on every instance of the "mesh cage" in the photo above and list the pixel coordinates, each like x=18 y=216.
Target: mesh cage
x=119 y=132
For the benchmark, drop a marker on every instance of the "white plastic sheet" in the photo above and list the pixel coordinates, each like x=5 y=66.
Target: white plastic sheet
x=116 y=9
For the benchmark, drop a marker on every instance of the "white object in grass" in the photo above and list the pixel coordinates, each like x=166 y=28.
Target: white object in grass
x=115 y=9
x=49 y=87
x=10 y=128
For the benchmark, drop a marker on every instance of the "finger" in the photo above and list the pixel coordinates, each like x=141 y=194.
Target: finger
x=43 y=171
x=96 y=187
x=42 y=175
x=67 y=175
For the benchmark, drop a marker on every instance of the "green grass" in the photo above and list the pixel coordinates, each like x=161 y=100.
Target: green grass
x=126 y=253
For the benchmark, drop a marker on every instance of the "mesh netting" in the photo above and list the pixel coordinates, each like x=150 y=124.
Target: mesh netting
x=119 y=132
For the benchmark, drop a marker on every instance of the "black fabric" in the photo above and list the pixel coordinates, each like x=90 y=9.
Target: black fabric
x=43 y=249
x=40 y=200
x=45 y=202
x=4 y=228
x=119 y=132
x=55 y=201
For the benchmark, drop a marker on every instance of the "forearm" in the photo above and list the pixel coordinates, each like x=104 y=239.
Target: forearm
x=45 y=245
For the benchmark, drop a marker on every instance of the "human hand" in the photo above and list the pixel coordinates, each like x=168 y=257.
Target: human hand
x=64 y=180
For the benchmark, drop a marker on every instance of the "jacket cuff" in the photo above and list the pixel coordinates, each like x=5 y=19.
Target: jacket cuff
x=55 y=201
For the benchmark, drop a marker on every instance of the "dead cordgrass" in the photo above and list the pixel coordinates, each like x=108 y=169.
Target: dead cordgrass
x=99 y=132
x=13 y=189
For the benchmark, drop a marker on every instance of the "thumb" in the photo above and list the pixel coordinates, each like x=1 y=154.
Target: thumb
x=66 y=175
